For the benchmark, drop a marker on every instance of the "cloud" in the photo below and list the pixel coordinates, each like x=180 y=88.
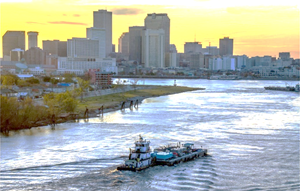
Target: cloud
x=259 y=9
x=67 y=23
x=127 y=11
x=76 y=15
x=30 y=22
x=64 y=14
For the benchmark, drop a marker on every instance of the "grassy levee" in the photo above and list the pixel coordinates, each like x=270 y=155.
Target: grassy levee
x=24 y=115
x=113 y=100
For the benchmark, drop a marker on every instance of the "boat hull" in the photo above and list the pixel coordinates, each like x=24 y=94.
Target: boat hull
x=280 y=88
x=123 y=167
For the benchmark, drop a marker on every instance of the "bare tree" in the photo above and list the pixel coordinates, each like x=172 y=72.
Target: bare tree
x=134 y=83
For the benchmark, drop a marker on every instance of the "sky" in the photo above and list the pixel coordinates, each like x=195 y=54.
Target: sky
x=258 y=27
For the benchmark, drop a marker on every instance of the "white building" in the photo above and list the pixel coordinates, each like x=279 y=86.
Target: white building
x=241 y=61
x=159 y=21
x=228 y=63
x=36 y=71
x=103 y=20
x=154 y=48
x=224 y=63
x=98 y=34
x=83 y=48
x=215 y=63
x=79 y=65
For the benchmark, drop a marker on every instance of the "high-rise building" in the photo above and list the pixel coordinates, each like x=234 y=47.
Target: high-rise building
x=35 y=56
x=284 y=55
x=124 y=43
x=16 y=54
x=12 y=40
x=196 y=60
x=32 y=39
x=159 y=21
x=226 y=46
x=154 y=48
x=55 y=47
x=135 y=43
x=211 y=50
x=98 y=34
x=83 y=48
x=103 y=20
x=173 y=48
x=192 y=47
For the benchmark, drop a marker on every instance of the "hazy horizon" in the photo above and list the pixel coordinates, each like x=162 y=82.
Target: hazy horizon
x=258 y=27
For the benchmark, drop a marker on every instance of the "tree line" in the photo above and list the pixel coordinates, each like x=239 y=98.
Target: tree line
x=16 y=114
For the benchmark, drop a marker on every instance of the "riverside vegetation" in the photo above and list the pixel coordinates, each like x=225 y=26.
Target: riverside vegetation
x=17 y=115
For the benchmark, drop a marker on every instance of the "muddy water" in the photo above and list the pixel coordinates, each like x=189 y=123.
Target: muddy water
x=252 y=136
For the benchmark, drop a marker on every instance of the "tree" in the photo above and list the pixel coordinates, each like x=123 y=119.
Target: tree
x=19 y=115
x=61 y=102
x=47 y=79
x=22 y=83
x=68 y=78
x=134 y=83
x=54 y=81
x=33 y=80
x=8 y=81
x=83 y=85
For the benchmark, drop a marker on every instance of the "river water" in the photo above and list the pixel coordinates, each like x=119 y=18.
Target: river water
x=252 y=137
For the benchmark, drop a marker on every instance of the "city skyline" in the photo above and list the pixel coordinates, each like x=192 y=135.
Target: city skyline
x=258 y=28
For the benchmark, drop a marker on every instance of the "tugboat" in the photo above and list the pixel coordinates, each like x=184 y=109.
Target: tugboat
x=139 y=158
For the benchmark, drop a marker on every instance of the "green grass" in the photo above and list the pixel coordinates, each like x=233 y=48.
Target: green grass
x=115 y=99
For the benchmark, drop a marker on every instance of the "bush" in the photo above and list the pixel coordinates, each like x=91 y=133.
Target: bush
x=32 y=80
x=20 y=115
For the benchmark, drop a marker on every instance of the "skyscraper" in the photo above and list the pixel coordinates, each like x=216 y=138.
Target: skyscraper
x=12 y=40
x=192 y=47
x=135 y=43
x=103 y=20
x=32 y=39
x=226 y=46
x=83 y=48
x=98 y=34
x=55 y=47
x=124 y=43
x=159 y=21
x=154 y=48
x=35 y=55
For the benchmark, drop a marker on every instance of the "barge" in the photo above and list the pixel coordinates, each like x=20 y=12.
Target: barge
x=287 y=88
x=170 y=155
x=141 y=156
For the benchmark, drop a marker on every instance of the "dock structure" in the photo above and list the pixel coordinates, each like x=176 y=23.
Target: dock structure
x=101 y=110
x=132 y=104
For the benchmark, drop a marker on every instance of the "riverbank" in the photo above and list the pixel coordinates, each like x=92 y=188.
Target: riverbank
x=113 y=102
x=93 y=106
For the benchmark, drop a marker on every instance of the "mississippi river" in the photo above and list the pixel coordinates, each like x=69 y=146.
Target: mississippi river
x=252 y=137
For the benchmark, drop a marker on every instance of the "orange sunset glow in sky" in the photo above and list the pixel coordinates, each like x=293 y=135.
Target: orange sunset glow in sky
x=258 y=27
